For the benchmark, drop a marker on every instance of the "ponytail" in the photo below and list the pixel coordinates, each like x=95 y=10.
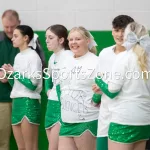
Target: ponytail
x=40 y=52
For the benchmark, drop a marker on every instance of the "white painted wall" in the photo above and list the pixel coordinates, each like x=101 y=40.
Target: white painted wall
x=92 y=14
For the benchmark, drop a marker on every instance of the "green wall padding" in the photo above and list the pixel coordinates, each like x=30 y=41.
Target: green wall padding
x=103 y=39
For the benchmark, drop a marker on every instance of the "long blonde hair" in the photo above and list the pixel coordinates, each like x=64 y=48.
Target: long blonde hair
x=85 y=33
x=140 y=31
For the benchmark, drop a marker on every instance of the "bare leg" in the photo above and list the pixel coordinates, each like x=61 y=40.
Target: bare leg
x=119 y=146
x=140 y=145
x=66 y=143
x=86 y=141
x=18 y=136
x=30 y=135
x=53 y=136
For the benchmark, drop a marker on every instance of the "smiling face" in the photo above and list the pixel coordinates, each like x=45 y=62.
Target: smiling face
x=78 y=43
x=54 y=43
x=118 y=35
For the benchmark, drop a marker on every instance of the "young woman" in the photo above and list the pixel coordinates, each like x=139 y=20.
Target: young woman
x=130 y=123
x=79 y=117
x=56 y=40
x=27 y=74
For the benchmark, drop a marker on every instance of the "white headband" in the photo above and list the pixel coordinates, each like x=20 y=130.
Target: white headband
x=33 y=41
x=92 y=41
x=132 y=40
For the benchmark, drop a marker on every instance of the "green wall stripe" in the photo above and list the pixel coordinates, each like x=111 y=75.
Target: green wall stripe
x=102 y=38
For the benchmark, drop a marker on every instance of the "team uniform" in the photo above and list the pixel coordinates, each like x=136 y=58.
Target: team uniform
x=77 y=112
x=130 y=121
x=107 y=58
x=27 y=87
x=53 y=106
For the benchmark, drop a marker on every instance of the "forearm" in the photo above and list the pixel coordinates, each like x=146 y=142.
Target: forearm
x=104 y=87
x=25 y=81
x=48 y=83
x=58 y=90
x=10 y=79
x=96 y=98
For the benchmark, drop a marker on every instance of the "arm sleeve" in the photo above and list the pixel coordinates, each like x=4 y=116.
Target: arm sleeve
x=58 y=90
x=104 y=87
x=96 y=98
x=25 y=81
x=48 y=83
x=48 y=78
x=117 y=78
x=11 y=80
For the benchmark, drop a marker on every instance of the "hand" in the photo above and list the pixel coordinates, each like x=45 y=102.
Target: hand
x=3 y=76
x=48 y=93
x=5 y=67
x=95 y=104
x=4 y=80
x=8 y=68
x=96 y=89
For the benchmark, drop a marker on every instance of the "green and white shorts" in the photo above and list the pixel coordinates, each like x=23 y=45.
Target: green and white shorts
x=26 y=107
x=128 y=133
x=52 y=113
x=77 y=129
